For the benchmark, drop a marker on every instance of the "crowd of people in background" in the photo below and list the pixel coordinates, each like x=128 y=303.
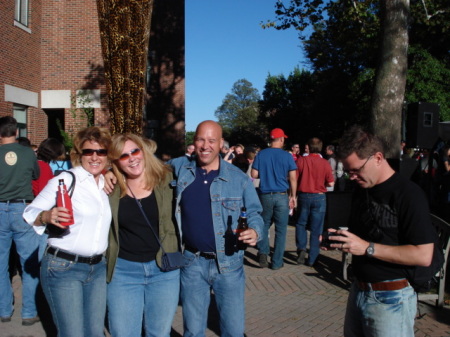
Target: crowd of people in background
x=111 y=258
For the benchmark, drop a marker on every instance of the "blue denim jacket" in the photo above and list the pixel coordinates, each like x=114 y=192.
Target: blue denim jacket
x=230 y=190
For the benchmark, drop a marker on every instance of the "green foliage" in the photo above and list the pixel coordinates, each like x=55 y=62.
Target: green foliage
x=341 y=40
x=239 y=112
x=189 y=138
x=288 y=103
x=428 y=81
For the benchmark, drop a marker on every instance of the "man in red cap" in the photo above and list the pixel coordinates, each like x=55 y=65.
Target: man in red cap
x=277 y=194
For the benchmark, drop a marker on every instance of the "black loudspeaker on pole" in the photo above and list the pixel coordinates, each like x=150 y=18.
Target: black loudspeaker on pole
x=422 y=122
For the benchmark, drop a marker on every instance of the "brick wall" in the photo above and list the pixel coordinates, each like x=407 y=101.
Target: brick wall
x=63 y=52
x=71 y=51
x=20 y=60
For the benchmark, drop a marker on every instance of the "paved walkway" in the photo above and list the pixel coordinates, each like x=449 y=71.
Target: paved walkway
x=292 y=301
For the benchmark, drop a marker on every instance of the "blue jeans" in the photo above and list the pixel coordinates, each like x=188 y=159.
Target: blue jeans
x=197 y=279
x=140 y=290
x=76 y=294
x=312 y=211
x=13 y=227
x=276 y=207
x=380 y=313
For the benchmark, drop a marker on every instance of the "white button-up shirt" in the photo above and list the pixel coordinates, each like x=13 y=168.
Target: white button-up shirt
x=91 y=211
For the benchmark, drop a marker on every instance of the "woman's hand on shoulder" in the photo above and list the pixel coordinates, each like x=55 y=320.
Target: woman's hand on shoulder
x=110 y=182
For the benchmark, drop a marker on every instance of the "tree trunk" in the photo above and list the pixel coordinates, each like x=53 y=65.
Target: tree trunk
x=124 y=33
x=390 y=80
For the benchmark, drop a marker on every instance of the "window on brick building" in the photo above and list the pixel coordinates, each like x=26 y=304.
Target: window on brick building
x=20 y=114
x=21 y=13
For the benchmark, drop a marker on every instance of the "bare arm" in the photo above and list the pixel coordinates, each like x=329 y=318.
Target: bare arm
x=408 y=255
x=293 y=189
x=110 y=181
x=255 y=173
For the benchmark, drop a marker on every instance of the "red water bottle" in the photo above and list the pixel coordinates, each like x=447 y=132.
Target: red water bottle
x=63 y=200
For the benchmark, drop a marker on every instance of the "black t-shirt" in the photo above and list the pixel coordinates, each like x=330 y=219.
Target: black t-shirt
x=136 y=240
x=400 y=211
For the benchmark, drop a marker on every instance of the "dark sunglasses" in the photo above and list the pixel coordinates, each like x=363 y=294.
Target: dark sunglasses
x=135 y=152
x=90 y=152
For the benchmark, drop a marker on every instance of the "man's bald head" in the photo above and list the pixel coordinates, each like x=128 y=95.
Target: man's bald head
x=208 y=142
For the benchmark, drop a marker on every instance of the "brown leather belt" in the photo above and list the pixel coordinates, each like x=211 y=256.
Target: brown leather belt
x=383 y=286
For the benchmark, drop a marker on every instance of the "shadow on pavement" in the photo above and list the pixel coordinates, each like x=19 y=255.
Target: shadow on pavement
x=330 y=270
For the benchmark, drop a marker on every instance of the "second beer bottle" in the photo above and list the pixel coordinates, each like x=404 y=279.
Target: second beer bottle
x=242 y=226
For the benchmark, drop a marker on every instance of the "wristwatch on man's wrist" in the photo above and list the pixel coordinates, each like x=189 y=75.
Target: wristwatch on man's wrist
x=370 y=250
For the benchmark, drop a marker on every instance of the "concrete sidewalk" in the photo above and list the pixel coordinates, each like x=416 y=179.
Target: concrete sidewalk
x=292 y=301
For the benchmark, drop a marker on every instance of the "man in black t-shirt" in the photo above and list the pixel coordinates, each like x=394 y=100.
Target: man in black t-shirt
x=390 y=231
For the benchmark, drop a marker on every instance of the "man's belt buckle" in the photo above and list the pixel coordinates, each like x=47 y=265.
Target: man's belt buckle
x=208 y=255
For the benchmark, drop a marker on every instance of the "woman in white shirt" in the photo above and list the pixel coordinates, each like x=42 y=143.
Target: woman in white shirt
x=73 y=269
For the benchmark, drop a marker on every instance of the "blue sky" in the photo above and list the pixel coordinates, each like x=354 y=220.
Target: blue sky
x=225 y=43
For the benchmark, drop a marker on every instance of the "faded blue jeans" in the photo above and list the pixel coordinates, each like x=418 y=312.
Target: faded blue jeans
x=276 y=208
x=198 y=278
x=141 y=291
x=76 y=294
x=380 y=313
x=312 y=211
x=13 y=227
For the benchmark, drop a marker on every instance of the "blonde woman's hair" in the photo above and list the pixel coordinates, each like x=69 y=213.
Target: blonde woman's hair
x=155 y=169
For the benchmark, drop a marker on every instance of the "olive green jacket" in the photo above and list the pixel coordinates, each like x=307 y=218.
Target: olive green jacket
x=167 y=230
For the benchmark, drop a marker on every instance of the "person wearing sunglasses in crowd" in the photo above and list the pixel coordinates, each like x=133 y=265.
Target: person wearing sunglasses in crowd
x=390 y=232
x=140 y=295
x=73 y=269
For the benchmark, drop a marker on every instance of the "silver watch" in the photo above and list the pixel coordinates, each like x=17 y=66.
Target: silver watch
x=370 y=250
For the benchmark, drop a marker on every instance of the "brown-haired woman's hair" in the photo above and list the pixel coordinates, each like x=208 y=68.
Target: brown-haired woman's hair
x=50 y=149
x=155 y=169
x=93 y=134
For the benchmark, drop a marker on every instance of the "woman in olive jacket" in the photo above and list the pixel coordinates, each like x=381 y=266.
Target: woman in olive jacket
x=140 y=295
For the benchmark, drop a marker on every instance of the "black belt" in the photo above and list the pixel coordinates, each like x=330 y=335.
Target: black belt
x=206 y=255
x=73 y=257
x=17 y=201
x=274 y=193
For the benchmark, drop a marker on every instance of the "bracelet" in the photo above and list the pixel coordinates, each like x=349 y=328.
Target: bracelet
x=41 y=220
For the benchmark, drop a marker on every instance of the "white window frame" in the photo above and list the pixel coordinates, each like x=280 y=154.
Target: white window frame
x=21 y=12
x=21 y=114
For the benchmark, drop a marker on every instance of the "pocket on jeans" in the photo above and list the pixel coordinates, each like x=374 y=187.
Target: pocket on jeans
x=57 y=264
x=388 y=297
x=189 y=258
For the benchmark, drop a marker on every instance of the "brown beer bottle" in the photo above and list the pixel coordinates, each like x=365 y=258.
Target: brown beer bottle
x=242 y=226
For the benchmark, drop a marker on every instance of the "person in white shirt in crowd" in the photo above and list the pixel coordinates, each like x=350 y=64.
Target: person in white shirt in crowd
x=331 y=157
x=73 y=270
